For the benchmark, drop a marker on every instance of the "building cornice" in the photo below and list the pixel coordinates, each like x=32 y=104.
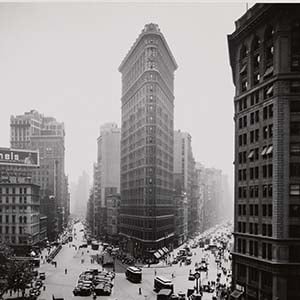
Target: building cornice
x=149 y=29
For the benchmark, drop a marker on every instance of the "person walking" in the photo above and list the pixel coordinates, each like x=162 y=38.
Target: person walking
x=66 y=271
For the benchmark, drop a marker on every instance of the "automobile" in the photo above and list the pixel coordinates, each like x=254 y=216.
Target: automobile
x=34 y=292
x=76 y=291
x=38 y=284
x=202 y=267
x=84 y=291
x=191 y=277
x=42 y=275
x=189 y=254
x=207 y=288
x=197 y=296
x=188 y=261
x=175 y=261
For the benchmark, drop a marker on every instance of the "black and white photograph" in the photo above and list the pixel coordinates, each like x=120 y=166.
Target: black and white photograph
x=149 y=150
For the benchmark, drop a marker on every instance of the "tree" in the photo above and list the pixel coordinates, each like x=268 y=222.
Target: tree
x=20 y=274
x=5 y=254
x=15 y=274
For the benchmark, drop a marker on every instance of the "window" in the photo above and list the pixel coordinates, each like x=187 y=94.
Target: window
x=295 y=149
x=244 y=85
x=256 y=135
x=257 y=116
x=295 y=169
x=256 y=61
x=295 y=88
x=295 y=128
x=265 y=132
x=294 y=253
x=294 y=231
x=295 y=210
x=269 y=71
x=243 y=52
x=295 y=46
x=264 y=209
x=253 y=275
x=294 y=189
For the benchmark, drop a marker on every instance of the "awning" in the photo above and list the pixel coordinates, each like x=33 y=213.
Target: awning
x=161 y=252
x=243 y=69
x=270 y=150
x=165 y=249
x=269 y=71
x=264 y=151
x=236 y=294
x=251 y=153
x=157 y=255
x=270 y=90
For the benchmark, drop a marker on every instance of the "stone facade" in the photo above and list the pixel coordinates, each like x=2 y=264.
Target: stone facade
x=265 y=60
x=147 y=209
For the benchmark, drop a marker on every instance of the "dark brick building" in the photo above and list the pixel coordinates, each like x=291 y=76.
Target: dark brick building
x=265 y=60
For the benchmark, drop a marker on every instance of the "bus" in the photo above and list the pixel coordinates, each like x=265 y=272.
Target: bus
x=134 y=274
x=163 y=283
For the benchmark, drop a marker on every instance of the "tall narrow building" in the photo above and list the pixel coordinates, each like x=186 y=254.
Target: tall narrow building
x=184 y=166
x=147 y=208
x=107 y=173
x=265 y=60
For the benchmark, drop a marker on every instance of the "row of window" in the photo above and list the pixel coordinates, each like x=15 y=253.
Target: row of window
x=22 y=219
x=254 y=116
x=253 y=210
x=6 y=199
x=253 y=250
x=13 y=190
x=11 y=229
x=267 y=172
x=253 y=190
x=254 y=135
x=266 y=277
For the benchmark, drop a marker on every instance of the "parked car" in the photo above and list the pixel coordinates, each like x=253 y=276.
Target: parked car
x=207 y=288
x=191 y=277
x=42 y=275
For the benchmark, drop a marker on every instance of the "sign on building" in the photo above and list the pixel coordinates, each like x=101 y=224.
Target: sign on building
x=19 y=157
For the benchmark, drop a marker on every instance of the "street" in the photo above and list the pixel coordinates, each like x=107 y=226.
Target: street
x=77 y=261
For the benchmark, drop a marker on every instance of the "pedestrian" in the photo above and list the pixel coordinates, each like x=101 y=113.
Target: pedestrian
x=140 y=291
x=66 y=271
x=155 y=272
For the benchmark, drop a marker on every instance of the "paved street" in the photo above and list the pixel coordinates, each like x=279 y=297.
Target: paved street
x=57 y=282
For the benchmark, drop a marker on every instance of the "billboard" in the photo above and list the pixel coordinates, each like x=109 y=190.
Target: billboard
x=19 y=157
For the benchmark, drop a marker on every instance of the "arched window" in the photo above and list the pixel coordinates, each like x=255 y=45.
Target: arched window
x=255 y=59
x=295 y=46
x=243 y=68
x=255 y=44
x=269 y=45
x=243 y=52
x=269 y=33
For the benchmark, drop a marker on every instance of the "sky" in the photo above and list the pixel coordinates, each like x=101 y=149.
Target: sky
x=62 y=59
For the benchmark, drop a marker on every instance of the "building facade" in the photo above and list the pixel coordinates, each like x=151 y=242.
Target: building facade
x=34 y=131
x=265 y=60
x=147 y=206
x=113 y=211
x=19 y=200
x=184 y=164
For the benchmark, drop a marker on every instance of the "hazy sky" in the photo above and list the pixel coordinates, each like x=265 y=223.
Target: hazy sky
x=62 y=60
